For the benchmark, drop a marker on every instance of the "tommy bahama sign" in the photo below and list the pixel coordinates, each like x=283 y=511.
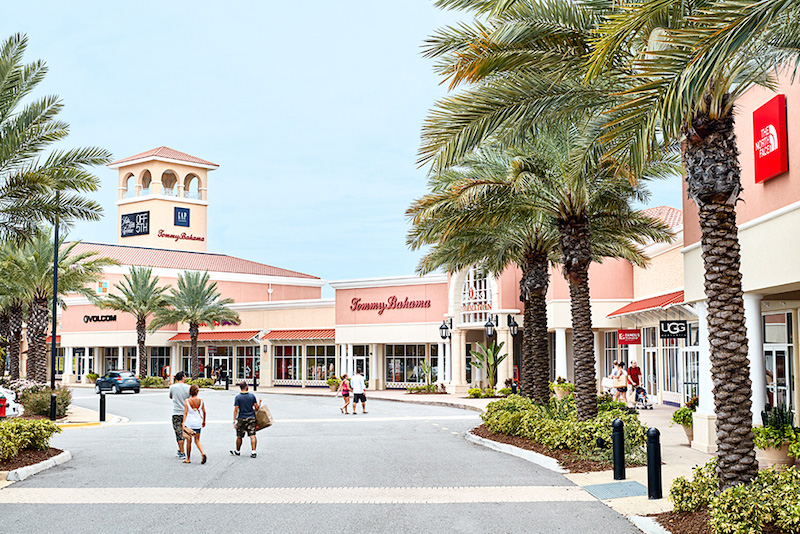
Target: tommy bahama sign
x=392 y=303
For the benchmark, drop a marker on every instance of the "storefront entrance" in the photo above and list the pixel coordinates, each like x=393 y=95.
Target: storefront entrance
x=223 y=364
x=778 y=365
x=691 y=372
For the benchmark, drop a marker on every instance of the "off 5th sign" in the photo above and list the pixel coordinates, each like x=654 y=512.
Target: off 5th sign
x=672 y=329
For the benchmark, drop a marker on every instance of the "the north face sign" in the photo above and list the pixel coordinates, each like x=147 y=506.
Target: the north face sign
x=770 y=140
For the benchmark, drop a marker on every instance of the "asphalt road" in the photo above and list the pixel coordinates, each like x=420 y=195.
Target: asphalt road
x=399 y=468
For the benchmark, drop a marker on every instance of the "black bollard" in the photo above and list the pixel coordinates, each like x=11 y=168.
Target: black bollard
x=255 y=384
x=618 y=448
x=227 y=383
x=654 y=464
x=102 y=406
x=53 y=407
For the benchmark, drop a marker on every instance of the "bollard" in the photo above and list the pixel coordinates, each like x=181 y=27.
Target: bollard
x=255 y=384
x=52 y=406
x=654 y=464
x=227 y=383
x=102 y=407
x=618 y=448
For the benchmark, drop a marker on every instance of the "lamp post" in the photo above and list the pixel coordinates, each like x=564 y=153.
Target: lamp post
x=445 y=331
x=490 y=326
x=55 y=321
x=512 y=325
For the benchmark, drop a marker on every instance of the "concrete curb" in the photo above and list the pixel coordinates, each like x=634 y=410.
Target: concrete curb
x=531 y=456
x=648 y=525
x=24 y=472
x=423 y=402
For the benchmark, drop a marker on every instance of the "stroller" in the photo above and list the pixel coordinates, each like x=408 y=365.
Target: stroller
x=642 y=402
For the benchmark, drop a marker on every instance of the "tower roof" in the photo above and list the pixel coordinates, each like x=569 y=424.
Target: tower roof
x=164 y=153
x=672 y=217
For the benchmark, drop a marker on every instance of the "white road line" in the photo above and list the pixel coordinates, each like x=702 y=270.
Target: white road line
x=365 y=419
x=343 y=495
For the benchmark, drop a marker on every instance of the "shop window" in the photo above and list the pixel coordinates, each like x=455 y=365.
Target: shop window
x=186 y=361
x=610 y=351
x=403 y=363
x=361 y=359
x=476 y=296
x=320 y=362
x=287 y=362
x=110 y=359
x=59 y=360
x=159 y=361
x=434 y=363
x=132 y=360
x=247 y=362
x=79 y=362
x=670 y=352
x=694 y=335
x=650 y=363
x=778 y=358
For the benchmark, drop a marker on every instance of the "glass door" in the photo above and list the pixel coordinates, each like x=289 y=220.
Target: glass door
x=778 y=366
x=691 y=372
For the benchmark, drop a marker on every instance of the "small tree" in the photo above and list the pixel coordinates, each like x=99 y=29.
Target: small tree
x=425 y=366
x=488 y=359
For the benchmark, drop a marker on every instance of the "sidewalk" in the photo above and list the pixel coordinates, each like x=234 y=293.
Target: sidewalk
x=677 y=457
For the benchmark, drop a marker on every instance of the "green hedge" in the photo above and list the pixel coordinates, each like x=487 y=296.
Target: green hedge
x=201 y=382
x=556 y=426
x=37 y=402
x=20 y=434
x=152 y=382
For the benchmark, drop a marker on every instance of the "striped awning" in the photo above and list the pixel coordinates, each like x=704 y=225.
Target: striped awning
x=220 y=335
x=653 y=303
x=313 y=333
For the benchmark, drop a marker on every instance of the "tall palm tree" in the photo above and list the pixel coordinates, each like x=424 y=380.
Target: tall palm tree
x=195 y=301
x=31 y=267
x=698 y=59
x=35 y=187
x=140 y=295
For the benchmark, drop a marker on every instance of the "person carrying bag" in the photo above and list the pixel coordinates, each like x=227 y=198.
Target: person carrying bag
x=264 y=417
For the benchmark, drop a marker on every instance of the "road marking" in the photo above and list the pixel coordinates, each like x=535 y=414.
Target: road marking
x=365 y=419
x=338 y=495
x=456 y=433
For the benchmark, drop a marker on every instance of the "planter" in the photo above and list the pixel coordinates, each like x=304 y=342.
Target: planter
x=689 y=429
x=561 y=393
x=778 y=457
x=333 y=387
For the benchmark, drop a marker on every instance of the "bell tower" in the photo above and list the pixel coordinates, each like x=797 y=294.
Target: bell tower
x=163 y=200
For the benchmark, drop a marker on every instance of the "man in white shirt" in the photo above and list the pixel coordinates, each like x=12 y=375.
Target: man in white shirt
x=358 y=386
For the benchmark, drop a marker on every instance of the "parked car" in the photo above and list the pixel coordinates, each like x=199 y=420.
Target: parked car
x=13 y=408
x=118 y=381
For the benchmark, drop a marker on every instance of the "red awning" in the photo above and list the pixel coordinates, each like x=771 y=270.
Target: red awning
x=222 y=335
x=653 y=303
x=318 y=333
x=50 y=339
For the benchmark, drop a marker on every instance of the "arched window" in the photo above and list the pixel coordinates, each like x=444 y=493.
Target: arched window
x=191 y=186
x=146 y=179
x=169 y=182
x=130 y=186
x=476 y=296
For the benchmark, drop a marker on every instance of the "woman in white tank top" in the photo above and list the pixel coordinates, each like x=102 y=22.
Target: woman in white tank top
x=194 y=419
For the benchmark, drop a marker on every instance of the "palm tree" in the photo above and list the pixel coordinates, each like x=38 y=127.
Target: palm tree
x=32 y=187
x=12 y=303
x=195 y=301
x=140 y=295
x=31 y=268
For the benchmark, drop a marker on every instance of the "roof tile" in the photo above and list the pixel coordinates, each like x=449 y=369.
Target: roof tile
x=317 y=333
x=672 y=217
x=652 y=303
x=167 y=153
x=220 y=335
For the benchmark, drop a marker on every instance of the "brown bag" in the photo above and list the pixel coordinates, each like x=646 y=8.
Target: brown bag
x=263 y=417
x=620 y=381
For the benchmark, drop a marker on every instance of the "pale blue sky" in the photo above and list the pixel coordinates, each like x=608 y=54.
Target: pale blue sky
x=311 y=109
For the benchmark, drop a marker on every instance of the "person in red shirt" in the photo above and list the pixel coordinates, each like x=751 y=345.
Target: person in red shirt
x=634 y=374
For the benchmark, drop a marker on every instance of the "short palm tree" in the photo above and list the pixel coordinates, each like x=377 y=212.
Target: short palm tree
x=32 y=270
x=141 y=296
x=29 y=181
x=13 y=304
x=195 y=301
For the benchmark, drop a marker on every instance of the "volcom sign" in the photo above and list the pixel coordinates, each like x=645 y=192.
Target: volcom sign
x=672 y=329
x=99 y=318
x=770 y=140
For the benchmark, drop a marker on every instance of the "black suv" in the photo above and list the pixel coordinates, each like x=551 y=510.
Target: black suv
x=117 y=381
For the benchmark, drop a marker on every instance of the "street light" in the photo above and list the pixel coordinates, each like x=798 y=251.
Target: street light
x=512 y=325
x=490 y=326
x=444 y=330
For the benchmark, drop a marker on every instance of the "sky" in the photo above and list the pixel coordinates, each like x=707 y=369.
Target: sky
x=312 y=110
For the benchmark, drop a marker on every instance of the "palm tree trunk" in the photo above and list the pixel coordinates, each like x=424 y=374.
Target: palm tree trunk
x=141 y=336
x=575 y=239
x=15 y=339
x=535 y=361
x=5 y=334
x=194 y=332
x=38 y=317
x=714 y=181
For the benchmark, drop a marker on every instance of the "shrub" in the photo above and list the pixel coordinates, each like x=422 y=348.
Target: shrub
x=777 y=431
x=333 y=382
x=151 y=382
x=682 y=416
x=475 y=393
x=504 y=392
x=690 y=496
x=92 y=377
x=429 y=388
x=562 y=384
x=201 y=382
x=20 y=434
x=37 y=401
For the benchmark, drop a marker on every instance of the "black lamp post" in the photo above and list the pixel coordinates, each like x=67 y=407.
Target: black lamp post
x=512 y=325
x=490 y=326
x=55 y=320
x=446 y=328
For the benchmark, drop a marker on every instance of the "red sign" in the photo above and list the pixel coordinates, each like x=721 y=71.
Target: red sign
x=629 y=337
x=770 y=140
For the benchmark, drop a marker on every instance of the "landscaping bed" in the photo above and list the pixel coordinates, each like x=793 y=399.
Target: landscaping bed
x=28 y=457
x=566 y=458
x=697 y=523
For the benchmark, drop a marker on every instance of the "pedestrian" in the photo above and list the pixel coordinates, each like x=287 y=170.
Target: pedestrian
x=179 y=392
x=634 y=374
x=344 y=390
x=244 y=418
x=358 y=385
x=194 y=419
x=620 y=381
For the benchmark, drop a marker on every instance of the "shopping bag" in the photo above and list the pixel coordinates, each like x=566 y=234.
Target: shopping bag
x=619 y=382
x=607 y=383
x=263 y=417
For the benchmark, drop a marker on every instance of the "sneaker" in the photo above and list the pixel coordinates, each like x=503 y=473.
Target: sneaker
x=236 y=453
x=181 y=456
x=253 y=454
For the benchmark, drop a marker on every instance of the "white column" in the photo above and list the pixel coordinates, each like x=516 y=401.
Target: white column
x=121 y=358
x=374 y=371
x=755 y=353
x=351 y=368
x=440 y=358
x=597 y=352
x=458 y=376
x=67 y=361
x=506 y=368
x=704 y=419
x=561 y=352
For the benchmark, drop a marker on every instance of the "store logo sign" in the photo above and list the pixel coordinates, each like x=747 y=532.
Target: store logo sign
x=182 y=217
x=102 y=287
x=770 y=140
x=629 y=337
x=392 y=303
x=672 y=329
x=132 y=224
x=99 y=318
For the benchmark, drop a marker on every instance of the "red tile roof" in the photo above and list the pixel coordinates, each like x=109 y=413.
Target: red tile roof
x=191 y=261
x=229 y=335
x=652 y=303
x=319 y=333
x=50 y=339
x=166 y=153
x=672 y=217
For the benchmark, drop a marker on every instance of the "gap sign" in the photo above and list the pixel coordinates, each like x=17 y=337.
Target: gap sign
x=629 y=337
x=672 y=329
x=769 y=139
x=182 y=217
